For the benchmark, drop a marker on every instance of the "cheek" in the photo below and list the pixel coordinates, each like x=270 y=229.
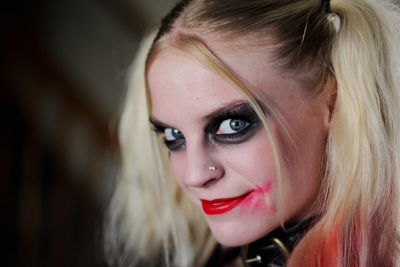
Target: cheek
x=259 y=201
x=253 y=161
x=256 y=170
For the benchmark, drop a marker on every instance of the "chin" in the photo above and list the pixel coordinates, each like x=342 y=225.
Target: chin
x=233 y=241
x=235 y=234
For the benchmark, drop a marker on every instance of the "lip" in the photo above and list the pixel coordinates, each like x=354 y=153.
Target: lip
x=222 y=205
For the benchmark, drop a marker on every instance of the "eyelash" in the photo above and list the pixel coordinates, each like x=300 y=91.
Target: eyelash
x=251 y=124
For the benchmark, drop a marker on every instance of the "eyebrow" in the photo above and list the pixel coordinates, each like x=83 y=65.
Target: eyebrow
x=226 y=109
x=157 y=123
x=219 y=111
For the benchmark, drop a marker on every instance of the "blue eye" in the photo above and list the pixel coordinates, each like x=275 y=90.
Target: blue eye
x=173 y=139
x=172 y=134
x=232 y=126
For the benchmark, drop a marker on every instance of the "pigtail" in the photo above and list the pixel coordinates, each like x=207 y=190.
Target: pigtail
x=131 y=216
x=367 y=121
x=359 y=226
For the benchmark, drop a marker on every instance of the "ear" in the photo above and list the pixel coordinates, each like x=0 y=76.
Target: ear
x=330 y=96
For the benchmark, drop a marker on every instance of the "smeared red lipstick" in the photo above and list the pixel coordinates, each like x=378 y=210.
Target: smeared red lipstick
x=221 y=205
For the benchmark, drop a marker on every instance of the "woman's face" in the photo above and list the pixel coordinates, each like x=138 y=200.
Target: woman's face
x=220 y=153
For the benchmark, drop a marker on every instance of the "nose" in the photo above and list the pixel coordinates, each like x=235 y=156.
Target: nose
x=202 y=166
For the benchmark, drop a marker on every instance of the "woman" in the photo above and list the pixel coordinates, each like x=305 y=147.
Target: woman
x=279 y=121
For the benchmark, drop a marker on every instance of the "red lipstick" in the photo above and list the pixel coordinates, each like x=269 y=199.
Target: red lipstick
x=221 y=205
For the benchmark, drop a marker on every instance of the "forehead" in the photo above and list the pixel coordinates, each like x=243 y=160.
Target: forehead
x=179 y=84
x=178 y=80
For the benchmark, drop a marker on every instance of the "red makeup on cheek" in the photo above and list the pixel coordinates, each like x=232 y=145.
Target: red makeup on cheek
x=256 y=201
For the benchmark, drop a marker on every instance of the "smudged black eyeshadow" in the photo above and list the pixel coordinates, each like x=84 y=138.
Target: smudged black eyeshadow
x=175 y=144
x=241 y=111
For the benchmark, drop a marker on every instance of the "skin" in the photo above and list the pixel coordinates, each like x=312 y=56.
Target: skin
x=183 y=92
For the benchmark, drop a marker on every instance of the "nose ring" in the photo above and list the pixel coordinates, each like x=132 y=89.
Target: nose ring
x=212 y=168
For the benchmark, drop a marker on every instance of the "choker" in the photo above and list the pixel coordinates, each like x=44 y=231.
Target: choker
x=273 y=250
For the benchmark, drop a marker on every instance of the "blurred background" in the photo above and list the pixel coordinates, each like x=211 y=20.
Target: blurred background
x=63 y=71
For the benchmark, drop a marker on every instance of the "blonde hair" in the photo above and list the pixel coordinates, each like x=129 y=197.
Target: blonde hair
x=355 y=44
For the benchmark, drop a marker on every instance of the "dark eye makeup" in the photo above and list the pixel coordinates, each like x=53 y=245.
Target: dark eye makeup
x=233 y=124
x=173 y=138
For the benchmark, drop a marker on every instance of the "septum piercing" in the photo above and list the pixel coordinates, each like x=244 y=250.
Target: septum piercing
x=212 y=168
